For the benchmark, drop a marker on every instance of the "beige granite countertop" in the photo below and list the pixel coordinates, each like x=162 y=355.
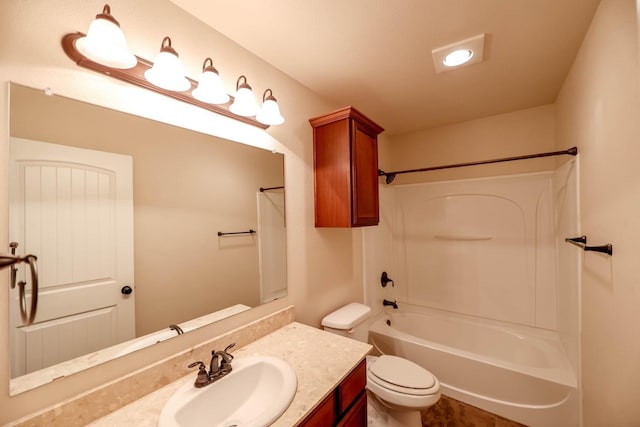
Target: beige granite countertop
x=321 y=361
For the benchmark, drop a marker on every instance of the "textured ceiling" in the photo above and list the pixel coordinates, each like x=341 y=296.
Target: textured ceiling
x=376 y=54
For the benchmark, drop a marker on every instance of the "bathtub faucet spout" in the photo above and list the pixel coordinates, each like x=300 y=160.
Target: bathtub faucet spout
x=393 y=304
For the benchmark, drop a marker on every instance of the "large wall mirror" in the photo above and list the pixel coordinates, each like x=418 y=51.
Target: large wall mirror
x=142 y=231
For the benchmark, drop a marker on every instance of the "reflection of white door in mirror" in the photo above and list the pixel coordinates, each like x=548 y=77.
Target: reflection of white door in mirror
x=77 y=206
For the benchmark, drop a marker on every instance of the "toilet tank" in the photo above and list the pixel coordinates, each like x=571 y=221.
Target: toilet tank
x=349 y=321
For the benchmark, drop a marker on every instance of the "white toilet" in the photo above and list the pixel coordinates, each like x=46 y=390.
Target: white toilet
x=397 y=388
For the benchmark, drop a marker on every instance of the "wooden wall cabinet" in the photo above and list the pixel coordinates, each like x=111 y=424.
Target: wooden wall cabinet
x=345 y=162
x=345 y=406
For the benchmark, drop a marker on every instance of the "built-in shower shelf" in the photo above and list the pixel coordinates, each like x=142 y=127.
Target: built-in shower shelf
x=461 y=238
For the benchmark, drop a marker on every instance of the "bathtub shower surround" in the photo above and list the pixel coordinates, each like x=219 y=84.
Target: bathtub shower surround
x=484 y=304
x=567 y=204
x=517 y=372
x=272 y=244
x=482 y=247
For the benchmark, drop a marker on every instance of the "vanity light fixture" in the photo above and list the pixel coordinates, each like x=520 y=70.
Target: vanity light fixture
x=105 y=42
x=210 y=88
x=167 y=71
x=270 y=112
x=166 y=75
x=459 y=54
x=245 y=103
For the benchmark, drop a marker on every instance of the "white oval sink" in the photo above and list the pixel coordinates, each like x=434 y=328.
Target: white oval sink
x=254 y=394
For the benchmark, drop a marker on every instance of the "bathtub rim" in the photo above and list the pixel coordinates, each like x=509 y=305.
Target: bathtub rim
x=562 y=374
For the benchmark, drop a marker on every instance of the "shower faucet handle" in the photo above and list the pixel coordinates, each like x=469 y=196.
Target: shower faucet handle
x=385 y=279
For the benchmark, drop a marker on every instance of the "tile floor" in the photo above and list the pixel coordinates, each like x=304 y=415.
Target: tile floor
x=449 y=412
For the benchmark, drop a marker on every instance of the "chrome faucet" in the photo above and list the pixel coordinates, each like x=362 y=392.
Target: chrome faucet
x=221 y=362
x=219 y=366
x=393 y=304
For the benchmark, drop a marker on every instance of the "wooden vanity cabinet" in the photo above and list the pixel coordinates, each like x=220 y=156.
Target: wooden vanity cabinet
x=345 y=406
x=345 y=162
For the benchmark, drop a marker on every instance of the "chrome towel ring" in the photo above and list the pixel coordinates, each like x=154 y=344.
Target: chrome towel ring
x=27 y=316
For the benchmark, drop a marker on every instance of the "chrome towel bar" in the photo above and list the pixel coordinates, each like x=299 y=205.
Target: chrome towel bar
x=222 y=233
x=263 y=189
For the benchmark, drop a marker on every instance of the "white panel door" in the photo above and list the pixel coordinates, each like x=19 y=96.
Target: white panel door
x=73 y=209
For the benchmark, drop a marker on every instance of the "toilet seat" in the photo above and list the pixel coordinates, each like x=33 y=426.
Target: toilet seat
x=402 y=376
x=398 y=382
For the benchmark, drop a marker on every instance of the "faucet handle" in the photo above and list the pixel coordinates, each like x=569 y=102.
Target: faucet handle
x=229 y=347
x=199 y=364
x=203 y=376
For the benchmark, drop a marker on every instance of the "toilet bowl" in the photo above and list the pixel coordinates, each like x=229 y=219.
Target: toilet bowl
x=400 y=387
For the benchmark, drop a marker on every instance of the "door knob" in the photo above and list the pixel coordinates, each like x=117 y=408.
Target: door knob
x=126 y=290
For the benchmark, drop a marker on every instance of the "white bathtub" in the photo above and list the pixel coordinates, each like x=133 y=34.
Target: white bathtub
x=517 y=372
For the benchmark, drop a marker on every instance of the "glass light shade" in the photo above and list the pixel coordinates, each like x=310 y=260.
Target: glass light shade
x=245 y=103
x=270 y=112
x=458 y=57
x=105 y=43
x=167 y=71
x=210 y=88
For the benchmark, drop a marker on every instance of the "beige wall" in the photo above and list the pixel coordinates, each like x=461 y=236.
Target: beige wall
x=187 y=186
x=598 y=110
x=323 y=265
x=513 y=134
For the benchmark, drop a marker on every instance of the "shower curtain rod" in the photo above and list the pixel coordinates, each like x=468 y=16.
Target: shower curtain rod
x=390 y=176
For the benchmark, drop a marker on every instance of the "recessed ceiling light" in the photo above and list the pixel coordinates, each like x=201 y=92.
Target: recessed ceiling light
x=462 y=53
x=458 y=57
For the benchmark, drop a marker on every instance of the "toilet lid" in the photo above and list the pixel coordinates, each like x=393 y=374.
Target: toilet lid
x=402 y=373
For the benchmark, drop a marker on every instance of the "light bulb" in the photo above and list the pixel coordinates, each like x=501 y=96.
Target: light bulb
x=105 y=43
x=270 y=112
x=167 y=71
x=458 y=57
x=210 y=88
x=245 y=103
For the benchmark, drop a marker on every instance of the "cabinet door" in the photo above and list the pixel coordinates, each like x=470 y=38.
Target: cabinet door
x=364 y=179
x=324 y=415
x=332 y=166
x=357 y=415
